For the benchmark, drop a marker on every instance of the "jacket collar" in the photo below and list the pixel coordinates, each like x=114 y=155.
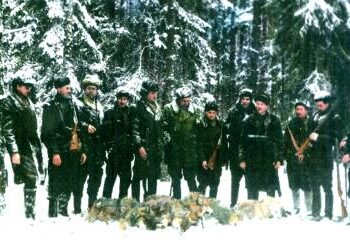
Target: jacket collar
x=176 y=107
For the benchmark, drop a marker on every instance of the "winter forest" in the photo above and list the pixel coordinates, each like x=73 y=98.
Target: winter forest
x=290 y=49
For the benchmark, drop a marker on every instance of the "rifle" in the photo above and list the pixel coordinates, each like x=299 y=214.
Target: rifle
x=307 y=142
x=75 y=144
x=344 y=212
x=214 y=156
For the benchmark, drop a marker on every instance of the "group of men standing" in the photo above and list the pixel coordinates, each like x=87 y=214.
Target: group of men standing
x=133 y=141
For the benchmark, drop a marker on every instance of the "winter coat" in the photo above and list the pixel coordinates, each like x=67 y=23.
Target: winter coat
x=333 y=128
x=119 y=129
x=149 y=129
x=93 y=115
x=233 y=130
x=19 y=114
x=300 y=132
x=6 y=133
x=59 y=117
x=180 y=127
x=262 y=147
x=209 y=135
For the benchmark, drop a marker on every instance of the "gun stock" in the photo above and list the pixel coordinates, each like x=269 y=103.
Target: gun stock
x=213 y=158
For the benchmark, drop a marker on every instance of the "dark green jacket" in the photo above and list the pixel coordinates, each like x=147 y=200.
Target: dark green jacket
x=6 y=132
x=180 y=128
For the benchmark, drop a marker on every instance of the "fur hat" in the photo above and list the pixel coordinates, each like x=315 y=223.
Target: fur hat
x=60 y=82
x=211 y=106
x=263 y=97
x=246 y=92
x=148 y=86
x=324 y=96
x=93 y=80
x=183 y=92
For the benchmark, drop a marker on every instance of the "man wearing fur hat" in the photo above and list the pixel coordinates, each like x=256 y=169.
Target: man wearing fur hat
x=119 y=127
x=62 y=134
x=91 y=121
x=233 y=130
x=180 y=123
x=212 y=149
x=149 y=145
x=298 y=166
x=19 y=112
x=324 y=128
x=261 y=149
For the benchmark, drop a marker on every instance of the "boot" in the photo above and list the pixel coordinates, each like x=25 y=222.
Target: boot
x=63 y=205
x=296 y=201
x=91 y=201
x=29 y=201
x=308 y=202
x=53 y=207
x=77 y=204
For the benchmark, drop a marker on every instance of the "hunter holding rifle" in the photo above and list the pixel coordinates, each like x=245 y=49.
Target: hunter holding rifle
x=119 y=130
x=149 y=145
x=298 y=170
x=325 y=126
x=261 y=152
x=92 y=115
x=62 y=135
x=212 y=148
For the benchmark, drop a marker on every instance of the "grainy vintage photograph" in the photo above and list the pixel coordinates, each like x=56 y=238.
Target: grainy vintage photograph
x=174 y=121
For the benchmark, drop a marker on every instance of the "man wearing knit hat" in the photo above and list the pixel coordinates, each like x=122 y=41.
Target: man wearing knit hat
x=233 y=129
x=62 y=120
x=262 y=149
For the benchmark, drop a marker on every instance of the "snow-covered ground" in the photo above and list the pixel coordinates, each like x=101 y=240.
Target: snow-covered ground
x=15 y=229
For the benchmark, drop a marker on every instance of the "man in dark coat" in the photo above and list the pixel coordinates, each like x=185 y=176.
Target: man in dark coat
x=262 y=149
x=6 y=138
x=298 y=170
x=19 y=110
x=212 y=150
x=322 y=139
x=92 y=115
x=233 y=130
x=149 y=146
x=180 y=121
x=61 y=133
x=119 y=126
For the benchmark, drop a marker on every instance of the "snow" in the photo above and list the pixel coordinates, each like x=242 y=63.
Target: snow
x=15 y=229
x=311 y=15
x=52 y=43
x=55 y=9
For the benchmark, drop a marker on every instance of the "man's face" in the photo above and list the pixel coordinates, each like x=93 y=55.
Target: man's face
x=211 y=115
x=185 y=102
x=321 y=106
x=65 y=91
x=23 y=89
x=301 y=112
x=245 y=101
x=152 y=96
x=122 y=101
x=90 y=91
x=261 y=107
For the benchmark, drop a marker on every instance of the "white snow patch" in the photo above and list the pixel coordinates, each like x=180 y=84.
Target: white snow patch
x=52 y=43
x=55 y=9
